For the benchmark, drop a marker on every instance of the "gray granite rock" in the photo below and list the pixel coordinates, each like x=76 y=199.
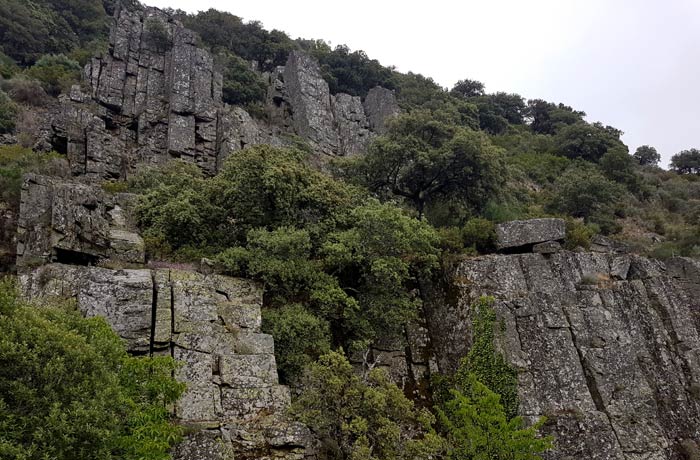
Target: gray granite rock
x=233 y=403
x=380 y=105
x=519 y=233
x=75 y=223
x=611 y=362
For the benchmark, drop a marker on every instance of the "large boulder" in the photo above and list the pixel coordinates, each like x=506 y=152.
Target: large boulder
x=75 y=223
x=518 y=233
x=380 y=105
x=606 y=346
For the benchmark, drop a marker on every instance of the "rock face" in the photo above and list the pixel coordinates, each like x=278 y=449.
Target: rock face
x=74 y=223
x=380 y=105
x=520 y=233
x=607 y=346
x=233 y=402
x=233 y=405
x=156 y=96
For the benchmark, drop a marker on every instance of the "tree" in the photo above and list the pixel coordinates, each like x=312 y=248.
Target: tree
x=686 y=162
x=241 y=85
x=582 y=191
x=498 y=110
x=647 y=155
x=423 y=159
x=468 y=88
x=300 y=339
x=621 y=167
x=587 y=141
x=477 y=428
x=548 y=118
x=362 y=417
x=70 y=391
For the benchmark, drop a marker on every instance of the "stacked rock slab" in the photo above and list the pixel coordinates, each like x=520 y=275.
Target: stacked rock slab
x=155 y=96
x=74 y=222
x=518 y=234
x=607 y=347
x=152 y=97
x=233 y=406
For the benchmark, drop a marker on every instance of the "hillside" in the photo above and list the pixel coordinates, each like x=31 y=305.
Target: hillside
x=345 y=261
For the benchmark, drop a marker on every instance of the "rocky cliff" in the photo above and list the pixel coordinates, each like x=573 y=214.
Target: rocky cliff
x=70 y=233
x=607 y=346
x=156 y=96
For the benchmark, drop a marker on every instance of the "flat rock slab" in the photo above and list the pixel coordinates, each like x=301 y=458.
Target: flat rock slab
x=519 y=233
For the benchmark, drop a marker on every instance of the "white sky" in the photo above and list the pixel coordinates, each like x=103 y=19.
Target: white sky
x=632 y=64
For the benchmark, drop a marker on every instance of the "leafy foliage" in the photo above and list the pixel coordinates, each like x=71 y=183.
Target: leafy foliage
x=587 y=141
x=32 y=28
x=362 y=417
x=584 y=192
x=69 y=390
x=478 y=429
x=8 y=113
x=486 y=364
x=686 y=162
x=15 y=161
x=56 y=73
x=647 y=155
x=223 y=31
x=241 y=85
x=300 y=336
x=349 y=260
x=424 y=159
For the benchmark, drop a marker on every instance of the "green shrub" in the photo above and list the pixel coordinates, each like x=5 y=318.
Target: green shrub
x=241 y=85
x=300 y=338
x=156 y=35
x=8 y=114
x=579 y=234
x=477 y=427
x=363 y=418
x=483 y=360
x=70 y=391
x=480 y=234
x=15 y=161
x=56 y=73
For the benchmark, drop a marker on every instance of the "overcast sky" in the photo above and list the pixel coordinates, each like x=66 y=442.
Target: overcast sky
x=632 y=64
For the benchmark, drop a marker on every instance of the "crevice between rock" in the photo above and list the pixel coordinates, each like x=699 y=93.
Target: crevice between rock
x=590 y=380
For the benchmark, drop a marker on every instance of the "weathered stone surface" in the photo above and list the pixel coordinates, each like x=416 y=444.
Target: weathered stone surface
x=525 y=232
x=210 y=324
x=74 y=223
x=607 y=346
x=311 y=101
x=380 y=105
x=146 y=103
x=352 y=125
x=548 y=247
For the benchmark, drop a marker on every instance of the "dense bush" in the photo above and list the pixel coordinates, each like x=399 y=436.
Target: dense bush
x=56 y=73
x=363 y=417
x=424 y=159
x=69 y=390
x=8 y=113
x=241 y=85
x=30 y=29
x=351 y=261
x=300 y=336
x=15 y=161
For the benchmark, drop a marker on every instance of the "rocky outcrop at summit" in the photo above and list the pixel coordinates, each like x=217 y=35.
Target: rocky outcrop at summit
x=607 y=346
x=521 y=233
x=155 y=96
x=75 y=223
